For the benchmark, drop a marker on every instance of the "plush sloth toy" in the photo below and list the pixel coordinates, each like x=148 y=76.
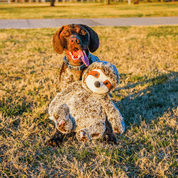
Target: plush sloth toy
x=85 y=107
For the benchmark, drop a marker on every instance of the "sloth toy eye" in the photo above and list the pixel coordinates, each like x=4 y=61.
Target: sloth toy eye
x=108 y=84
x=94 y=73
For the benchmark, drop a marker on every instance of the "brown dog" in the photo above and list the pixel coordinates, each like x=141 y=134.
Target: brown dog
x=77 y=41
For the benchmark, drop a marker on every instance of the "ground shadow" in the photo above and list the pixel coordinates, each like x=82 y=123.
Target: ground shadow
x=160 y=95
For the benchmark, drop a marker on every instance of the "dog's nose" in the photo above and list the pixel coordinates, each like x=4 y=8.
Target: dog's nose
x=74 y=41
x=97 y=84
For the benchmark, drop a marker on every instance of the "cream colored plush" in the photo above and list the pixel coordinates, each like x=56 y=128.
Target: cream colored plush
x=85 y=107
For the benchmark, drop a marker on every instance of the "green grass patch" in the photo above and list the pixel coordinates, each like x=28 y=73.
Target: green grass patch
x=10 y=108
x=163 y=32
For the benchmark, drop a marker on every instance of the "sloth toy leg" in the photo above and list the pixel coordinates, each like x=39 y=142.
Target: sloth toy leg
x=93 y=132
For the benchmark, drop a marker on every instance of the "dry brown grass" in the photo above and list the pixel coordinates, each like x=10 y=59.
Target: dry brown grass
x=147 y=96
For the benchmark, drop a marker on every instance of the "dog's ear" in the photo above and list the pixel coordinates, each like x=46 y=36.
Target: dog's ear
x=58 y=46
x=94 y=40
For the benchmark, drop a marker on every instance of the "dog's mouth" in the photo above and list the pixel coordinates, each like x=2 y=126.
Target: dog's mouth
x=78 y=55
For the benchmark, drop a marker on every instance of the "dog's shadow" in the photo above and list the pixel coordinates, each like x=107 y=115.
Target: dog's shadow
x=159 y=95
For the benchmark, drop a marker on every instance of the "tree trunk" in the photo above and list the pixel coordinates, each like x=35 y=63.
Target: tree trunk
x=107 y=2
x=136 y=2
x=52 y=2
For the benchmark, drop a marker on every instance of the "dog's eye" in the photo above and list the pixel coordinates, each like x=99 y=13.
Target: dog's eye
x=82 y=32
x=108 y=84
x=66 y=33
x=94 y=73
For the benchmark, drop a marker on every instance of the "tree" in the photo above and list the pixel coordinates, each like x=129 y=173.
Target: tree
x=52 y=2
x=107 y=2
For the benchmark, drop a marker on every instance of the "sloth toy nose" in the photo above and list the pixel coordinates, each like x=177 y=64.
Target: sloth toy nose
x=97 y=84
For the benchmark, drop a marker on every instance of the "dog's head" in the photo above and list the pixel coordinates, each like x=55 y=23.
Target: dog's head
x=76 y=40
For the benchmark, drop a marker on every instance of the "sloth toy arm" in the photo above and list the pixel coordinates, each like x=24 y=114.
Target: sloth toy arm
x=64 y=95
x=114 y=115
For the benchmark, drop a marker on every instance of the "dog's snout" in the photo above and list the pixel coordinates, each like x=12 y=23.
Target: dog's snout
x=74 y=41
x=97 y=84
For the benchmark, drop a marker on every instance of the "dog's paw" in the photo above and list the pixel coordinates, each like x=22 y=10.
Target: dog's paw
x=56 y=140
x=110 y=138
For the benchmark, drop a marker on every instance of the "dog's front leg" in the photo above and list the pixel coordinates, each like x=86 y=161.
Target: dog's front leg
x=56 y=140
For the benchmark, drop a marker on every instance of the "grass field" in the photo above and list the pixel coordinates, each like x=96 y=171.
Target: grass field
x=147 y=96
x=91 y=10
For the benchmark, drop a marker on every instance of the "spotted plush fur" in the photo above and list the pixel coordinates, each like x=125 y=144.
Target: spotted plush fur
x=85 y=112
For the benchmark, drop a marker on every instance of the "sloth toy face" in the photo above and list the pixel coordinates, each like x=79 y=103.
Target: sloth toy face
x=100 y=77
x=98 y=82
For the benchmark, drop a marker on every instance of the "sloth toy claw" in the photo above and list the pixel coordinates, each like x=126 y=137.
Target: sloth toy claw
x=84 y=107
